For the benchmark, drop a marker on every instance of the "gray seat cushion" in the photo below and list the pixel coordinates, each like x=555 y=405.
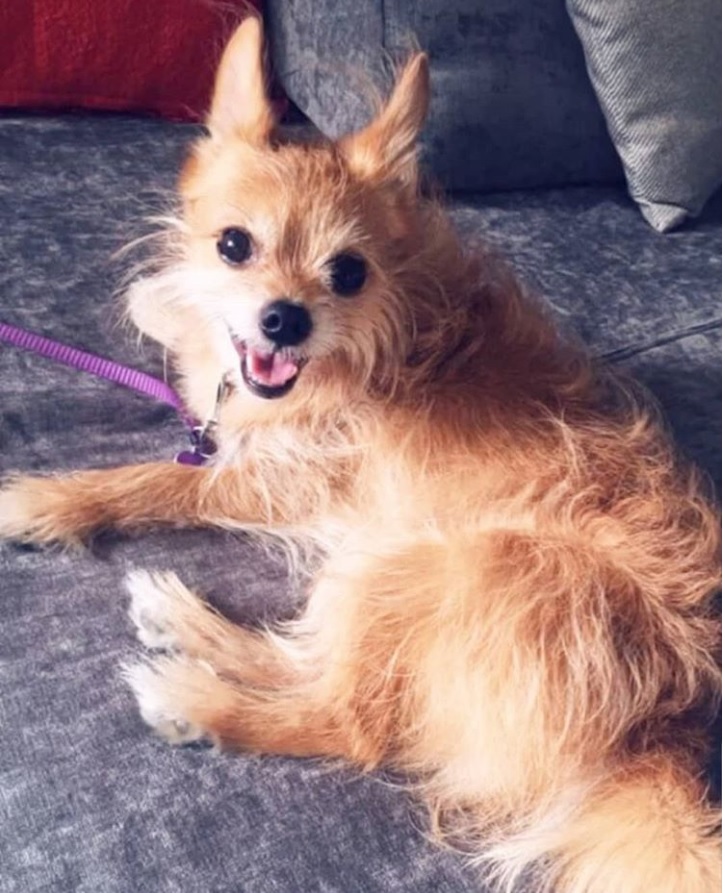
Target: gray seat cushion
x=511 y=105
x=90 y=802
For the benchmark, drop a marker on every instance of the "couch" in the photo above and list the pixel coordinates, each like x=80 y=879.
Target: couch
x=90 y=800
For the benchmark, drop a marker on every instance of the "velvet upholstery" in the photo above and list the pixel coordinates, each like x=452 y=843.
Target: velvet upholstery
x=512 y=106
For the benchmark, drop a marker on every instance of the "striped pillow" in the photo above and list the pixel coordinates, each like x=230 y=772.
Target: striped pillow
x=655 y=66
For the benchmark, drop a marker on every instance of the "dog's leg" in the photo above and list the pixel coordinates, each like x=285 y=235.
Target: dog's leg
x=236 y=687
x=169 y=617
x=313 y=688
x=68 y=508
x=333 y=683
x=185 y=700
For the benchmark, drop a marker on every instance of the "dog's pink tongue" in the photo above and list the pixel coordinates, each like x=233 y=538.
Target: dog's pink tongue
x=271 y=368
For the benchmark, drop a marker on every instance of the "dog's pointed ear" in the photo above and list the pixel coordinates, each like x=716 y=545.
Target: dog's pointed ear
x=386 y=148
x=240 y=105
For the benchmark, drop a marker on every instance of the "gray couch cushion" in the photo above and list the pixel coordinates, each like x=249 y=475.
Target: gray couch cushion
x=512 y=105
x=654 y=66
x=90 y=802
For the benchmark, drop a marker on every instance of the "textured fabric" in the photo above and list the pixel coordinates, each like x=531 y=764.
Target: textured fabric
x=100 y=54
x=90 y=801
x=511 y=102
x=655 y=66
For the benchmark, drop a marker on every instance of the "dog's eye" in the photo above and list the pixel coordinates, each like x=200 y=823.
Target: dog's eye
x=234 y=246
x=347 y=273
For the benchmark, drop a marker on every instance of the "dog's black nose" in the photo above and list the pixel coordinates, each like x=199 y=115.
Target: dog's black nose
x=285 y=323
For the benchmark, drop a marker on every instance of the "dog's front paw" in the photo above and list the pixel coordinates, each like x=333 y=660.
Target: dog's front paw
x=44 y=510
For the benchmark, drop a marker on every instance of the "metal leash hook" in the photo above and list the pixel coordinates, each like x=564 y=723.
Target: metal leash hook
x=201 y=438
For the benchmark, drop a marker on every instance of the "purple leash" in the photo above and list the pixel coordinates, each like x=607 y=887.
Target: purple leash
x=133 y=379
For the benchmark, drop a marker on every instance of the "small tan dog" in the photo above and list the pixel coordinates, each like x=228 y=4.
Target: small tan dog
x=515 y=603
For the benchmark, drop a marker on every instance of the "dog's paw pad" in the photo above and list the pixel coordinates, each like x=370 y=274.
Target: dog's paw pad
x=156 y=705
x=150 y=611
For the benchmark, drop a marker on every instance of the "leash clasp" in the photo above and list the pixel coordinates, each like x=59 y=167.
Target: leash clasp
x=201 y=437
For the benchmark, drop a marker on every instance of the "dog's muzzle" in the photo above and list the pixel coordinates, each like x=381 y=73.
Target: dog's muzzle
x=272 y=371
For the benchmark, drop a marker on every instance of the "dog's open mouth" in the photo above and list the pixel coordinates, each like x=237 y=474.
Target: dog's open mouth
x=268 y=374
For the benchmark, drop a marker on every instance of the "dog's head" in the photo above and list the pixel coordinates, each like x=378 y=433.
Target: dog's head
x=293 y=259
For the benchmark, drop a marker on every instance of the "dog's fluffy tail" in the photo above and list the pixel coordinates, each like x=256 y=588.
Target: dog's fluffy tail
x=648 y=830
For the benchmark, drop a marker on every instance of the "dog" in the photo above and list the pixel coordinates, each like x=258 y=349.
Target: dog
x=515 y=600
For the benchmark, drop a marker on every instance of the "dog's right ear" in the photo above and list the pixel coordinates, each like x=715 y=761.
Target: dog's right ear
x=240 y=106
x=386 y=148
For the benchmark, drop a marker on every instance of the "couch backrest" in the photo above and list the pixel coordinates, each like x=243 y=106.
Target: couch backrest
x=512 y=105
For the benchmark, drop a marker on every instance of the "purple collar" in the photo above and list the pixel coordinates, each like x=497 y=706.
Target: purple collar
x=200 y=436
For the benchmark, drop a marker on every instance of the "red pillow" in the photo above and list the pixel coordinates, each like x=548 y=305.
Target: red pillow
x=154 y=56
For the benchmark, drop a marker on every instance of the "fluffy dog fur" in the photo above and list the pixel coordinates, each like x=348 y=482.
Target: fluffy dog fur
x=515 y=602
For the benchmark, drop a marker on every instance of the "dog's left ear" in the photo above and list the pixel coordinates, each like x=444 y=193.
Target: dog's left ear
x=386 y=148
x=240 y=105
